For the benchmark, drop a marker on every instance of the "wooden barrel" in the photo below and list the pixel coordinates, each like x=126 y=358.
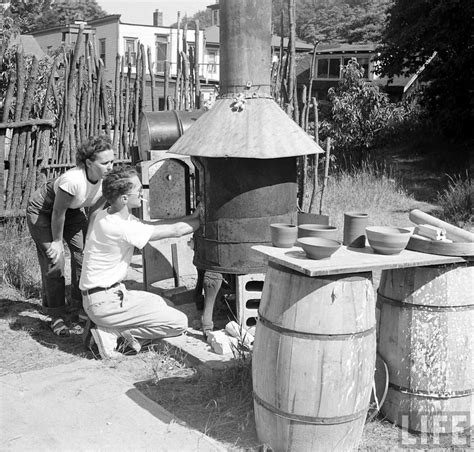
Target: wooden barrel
x=426 y=337
x=313 y=360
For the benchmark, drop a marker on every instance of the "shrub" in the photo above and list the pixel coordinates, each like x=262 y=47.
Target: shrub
x=19 y=262
x=456 y=202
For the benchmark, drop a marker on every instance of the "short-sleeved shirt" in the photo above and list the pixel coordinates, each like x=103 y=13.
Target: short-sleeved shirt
x=109 y=248
x=74 y=182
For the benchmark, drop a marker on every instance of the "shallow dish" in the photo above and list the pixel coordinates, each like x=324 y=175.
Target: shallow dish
x=387 y=239
x=317 y=230
x=317 y=247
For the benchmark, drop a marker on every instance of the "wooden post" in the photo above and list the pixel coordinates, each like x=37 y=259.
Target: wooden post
x=143 y=105
x=5 y=117
x=20 y=70
x=292 y=63
x=152 y=79
x=118 y=75
x=197 y=56
x=167 y=84
x=326 y=173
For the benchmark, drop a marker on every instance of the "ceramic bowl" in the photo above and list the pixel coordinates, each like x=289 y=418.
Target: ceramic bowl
x=387 y=239
x=317 y=230
x=283 y=235
x=318 y=247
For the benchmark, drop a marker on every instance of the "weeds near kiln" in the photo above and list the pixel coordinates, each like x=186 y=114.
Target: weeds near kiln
x=20 y=268
x=457 y=200
x=370 y=188
x=219 y=403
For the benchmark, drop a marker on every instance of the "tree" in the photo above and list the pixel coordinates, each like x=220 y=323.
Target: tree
x=37 y=14
x=361 y=114
x=417 y=30
x=332 y=21
x=203 y=16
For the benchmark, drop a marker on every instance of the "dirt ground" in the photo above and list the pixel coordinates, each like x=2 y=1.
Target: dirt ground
x=165 y=376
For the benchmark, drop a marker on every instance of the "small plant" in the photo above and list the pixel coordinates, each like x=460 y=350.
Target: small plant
x=20 y=268
x=457 y=201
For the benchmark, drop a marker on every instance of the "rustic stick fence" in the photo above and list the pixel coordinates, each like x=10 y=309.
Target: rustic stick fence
x=40 y=133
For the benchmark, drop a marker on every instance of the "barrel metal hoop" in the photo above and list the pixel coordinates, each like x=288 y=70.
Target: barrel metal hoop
x=420 y=307
x=310 y=419
x=431 y=395
x=305 y=335
x=179 y=123
x=258 y=242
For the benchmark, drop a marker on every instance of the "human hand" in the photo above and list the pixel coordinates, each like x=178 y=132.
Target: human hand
x=55 y=250
x=197 y=211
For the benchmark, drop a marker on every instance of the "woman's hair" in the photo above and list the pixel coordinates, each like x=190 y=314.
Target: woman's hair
x=117 y=182
x=91 y=147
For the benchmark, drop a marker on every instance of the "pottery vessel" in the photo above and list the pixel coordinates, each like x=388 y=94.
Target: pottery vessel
x=318 y=230
x=387 y=239
x=312 y=218
x=317 y=247
x=354 y=229
x=283 y=235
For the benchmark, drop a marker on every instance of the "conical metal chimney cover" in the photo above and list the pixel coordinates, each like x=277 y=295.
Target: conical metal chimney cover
x=245 y=122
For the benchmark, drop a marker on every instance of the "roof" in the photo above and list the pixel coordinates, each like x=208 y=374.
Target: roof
x=29 y=44
x=211 y=35
x=345 y=48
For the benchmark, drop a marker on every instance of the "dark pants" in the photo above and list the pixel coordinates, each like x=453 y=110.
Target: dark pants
x=52 y=275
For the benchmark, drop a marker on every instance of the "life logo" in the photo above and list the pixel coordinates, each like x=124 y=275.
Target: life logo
x=453 y=429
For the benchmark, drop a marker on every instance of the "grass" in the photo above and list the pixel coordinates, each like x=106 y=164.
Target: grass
x=369 y=188
x=20 y=268
x=457 y=201
x=218 y=403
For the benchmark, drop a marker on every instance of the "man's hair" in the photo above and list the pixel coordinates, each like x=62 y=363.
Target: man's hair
x=91 y=147
x=117 y=182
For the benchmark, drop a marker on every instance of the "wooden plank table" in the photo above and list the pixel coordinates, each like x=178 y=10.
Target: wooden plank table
x=352 y=260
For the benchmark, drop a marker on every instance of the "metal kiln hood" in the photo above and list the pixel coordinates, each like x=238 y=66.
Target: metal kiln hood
x=261 y=130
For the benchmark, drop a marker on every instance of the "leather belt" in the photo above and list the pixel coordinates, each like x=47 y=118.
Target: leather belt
x=98 y=289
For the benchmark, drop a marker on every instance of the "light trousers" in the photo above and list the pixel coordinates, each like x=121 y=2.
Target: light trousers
x=142 y=314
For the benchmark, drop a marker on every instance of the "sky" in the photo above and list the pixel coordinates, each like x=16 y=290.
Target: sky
x=141 y=12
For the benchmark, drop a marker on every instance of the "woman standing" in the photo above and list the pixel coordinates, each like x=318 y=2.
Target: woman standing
x=56 y=212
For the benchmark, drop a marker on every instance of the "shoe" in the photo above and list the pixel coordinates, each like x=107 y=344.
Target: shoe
x=130 y=342
x=106 y=341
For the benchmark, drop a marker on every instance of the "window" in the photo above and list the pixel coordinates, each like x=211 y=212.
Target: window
x=215 y=17
x=329 y=68
x=102 y=50
x=161 y=46
x=363 y=63
x=131 y=51
x=211 y=61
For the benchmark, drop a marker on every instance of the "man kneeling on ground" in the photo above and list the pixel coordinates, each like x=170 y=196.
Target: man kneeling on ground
x=119 y=313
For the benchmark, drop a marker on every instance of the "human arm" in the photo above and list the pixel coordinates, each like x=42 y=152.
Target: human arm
x=62 y=202
x=177 y=227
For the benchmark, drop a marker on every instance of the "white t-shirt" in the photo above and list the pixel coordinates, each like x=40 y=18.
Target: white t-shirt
x=75 y=183
x=109 y=249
